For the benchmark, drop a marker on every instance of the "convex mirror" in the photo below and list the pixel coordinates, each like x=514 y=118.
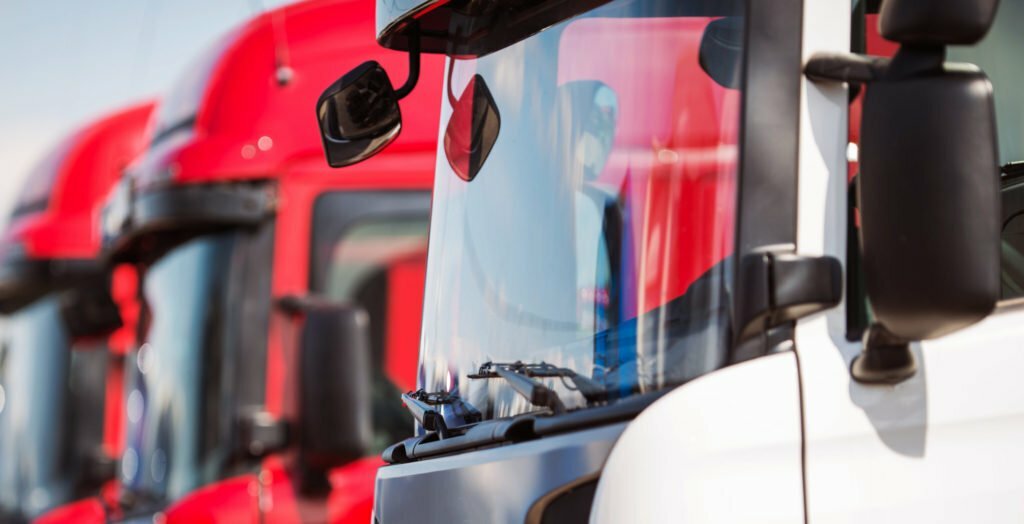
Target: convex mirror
x=359 y=115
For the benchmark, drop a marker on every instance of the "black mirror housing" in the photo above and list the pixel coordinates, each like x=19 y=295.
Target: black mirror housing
x=936 y=22
x=358 y=115
x=929 y=198
x=928 y=191
x=334 y=414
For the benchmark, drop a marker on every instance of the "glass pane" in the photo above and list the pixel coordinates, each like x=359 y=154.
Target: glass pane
x=999 y=56
x=173 y=379
x=379 y=264
x=32 y=432
x=596 y=228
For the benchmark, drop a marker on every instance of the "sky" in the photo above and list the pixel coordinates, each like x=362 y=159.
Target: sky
x=64 y=62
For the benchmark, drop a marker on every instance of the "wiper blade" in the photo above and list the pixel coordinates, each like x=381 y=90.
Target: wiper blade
x=521 y=376
x=440 y=411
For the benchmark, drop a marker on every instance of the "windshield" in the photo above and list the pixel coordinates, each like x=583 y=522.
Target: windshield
x=36 y=358
x=584 y=205
x=173 y=402
x=52 y=394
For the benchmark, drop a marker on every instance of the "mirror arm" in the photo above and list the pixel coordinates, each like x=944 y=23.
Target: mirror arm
x=414 y=64
x=845 y=67
x=884 y=359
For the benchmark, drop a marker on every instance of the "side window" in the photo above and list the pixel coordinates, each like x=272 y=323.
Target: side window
x=3 y=367
x=376 y=258
x=999 y=56
x=864 y=38
x=380 y=264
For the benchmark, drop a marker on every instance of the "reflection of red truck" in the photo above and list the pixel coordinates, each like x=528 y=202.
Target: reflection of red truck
x=60 y=410
x=689 y=349
x=251 y=255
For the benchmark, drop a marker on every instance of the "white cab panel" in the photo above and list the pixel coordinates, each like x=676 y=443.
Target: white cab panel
x=946 y=445
x=723 y=448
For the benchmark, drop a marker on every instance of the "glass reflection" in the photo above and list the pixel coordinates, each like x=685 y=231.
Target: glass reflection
x=169 y=398
x=597 y=233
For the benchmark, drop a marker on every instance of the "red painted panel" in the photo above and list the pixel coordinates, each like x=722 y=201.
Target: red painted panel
x=88 y=511
x=405 y=312
x=79 y=175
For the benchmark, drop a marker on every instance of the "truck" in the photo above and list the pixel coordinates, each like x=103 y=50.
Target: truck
x=280 y=300
x=655 y=293
x=68 y=321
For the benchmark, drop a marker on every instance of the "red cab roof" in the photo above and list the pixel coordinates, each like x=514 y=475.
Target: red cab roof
x=55 y=215
x=246 y=111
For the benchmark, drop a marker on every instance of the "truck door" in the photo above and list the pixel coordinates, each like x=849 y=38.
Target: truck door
x=944 y=445
x=367 y=248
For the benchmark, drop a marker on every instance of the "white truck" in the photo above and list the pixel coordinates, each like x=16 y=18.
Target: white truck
x=657 y=293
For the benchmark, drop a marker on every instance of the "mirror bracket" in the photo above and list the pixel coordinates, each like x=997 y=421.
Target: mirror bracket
x=845 y=67
x=414 y=63
x=785 y=287
x=884 y=359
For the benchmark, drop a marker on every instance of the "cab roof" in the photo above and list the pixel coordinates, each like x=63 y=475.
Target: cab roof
x=246 y=111
x=55 y=214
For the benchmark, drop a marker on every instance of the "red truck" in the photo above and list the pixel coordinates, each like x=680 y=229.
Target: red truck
x=69 y=320
x=281 y=300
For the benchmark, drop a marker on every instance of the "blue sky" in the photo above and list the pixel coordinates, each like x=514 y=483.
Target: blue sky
x=64 y=62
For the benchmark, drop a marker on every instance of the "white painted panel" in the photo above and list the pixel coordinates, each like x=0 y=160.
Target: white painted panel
x=944 y=446
x=723 y=448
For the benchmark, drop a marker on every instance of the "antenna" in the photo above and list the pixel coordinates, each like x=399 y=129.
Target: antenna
x=282 y=59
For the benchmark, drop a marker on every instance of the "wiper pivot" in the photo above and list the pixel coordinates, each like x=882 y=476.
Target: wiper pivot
x=440 y=411
x=522 y=376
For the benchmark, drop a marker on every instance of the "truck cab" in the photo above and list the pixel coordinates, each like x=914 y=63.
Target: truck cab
x=280 y=300
x=655 y=294
x=68 y=319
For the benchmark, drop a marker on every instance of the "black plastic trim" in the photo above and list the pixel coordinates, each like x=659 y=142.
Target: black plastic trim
x=785 y=287
x=335 y=212
x=23 y=280
x=520 y=428
x=769 y=145
x=250 y=289
x=171 y=215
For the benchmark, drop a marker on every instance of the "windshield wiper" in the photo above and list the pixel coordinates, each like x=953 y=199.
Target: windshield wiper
x=521 y=376
x=440 y=410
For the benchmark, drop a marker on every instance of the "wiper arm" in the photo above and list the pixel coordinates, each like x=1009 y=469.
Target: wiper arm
x=521 y=377
x=440 y=411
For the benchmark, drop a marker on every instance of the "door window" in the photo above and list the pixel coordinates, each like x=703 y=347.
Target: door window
x=999 y=56
x=375 y=257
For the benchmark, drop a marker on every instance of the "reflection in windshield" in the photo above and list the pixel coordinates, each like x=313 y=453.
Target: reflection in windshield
x=597 y=234
x=185 y=295
x=32 y=476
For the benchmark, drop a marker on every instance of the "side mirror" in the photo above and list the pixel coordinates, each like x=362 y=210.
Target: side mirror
x=334 y=417
x=929 y=200
x=472 y=128
x=929 y=181
x=358 y=115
